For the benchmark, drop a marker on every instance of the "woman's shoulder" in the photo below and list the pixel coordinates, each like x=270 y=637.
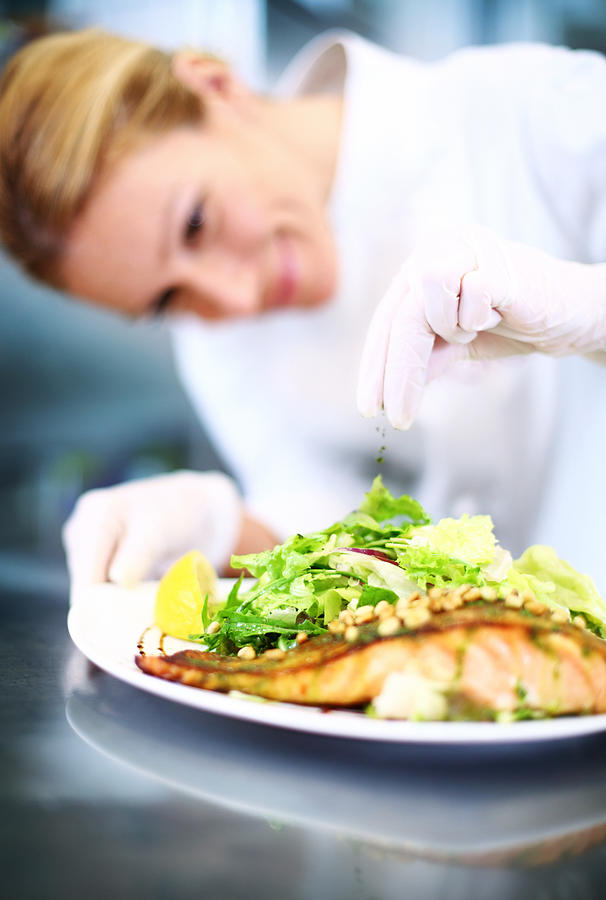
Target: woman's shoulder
x=321 y=64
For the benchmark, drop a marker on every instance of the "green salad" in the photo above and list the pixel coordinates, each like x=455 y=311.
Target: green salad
x=386 y=549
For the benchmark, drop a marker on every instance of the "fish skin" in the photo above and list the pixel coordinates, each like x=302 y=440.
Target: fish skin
x=493 y=659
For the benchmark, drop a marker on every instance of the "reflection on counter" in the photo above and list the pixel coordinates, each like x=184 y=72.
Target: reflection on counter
x=492 y=806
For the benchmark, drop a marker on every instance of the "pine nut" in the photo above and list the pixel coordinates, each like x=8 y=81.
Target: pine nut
x=389 y=626
x=414 y=618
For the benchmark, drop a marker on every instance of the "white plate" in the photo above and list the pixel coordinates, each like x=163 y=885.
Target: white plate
x=106 y=624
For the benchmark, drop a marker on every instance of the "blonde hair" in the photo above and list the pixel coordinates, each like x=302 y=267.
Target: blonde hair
x=71 y=104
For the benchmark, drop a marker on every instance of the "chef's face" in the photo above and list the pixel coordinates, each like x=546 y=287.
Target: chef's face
x=219 y=219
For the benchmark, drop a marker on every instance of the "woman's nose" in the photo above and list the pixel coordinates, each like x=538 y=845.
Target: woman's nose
x=223 y=286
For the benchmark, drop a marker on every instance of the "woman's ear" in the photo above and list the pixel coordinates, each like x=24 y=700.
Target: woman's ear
x=206 y=76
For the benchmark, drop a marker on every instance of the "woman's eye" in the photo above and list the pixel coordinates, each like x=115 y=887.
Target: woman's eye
x=162 y=303
x=195 y=223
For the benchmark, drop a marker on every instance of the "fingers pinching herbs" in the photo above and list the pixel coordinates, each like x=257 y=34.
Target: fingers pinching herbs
x=440 y=281
x=476 y=304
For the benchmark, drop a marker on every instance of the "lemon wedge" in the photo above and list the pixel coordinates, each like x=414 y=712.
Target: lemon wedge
x=181 y=594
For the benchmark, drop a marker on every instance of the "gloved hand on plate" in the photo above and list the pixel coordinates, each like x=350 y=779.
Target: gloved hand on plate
x=134 y=531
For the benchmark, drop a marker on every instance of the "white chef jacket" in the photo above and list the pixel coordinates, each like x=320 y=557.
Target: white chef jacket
x=511 y=137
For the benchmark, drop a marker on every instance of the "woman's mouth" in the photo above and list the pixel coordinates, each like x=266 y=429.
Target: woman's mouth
x=288 y=276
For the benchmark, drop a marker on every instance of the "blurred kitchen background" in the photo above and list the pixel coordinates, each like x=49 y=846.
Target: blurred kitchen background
x=90 y=400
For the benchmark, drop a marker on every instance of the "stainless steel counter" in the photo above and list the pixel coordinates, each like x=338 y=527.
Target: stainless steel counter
x=107 y=791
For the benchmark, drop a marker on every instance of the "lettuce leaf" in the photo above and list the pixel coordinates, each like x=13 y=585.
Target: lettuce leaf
x=469 y=538
x=556 y=583
x=453 y=552
x=429 y=567
x=381 y=505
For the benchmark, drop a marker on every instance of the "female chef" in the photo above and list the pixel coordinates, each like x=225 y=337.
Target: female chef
x=468 y=194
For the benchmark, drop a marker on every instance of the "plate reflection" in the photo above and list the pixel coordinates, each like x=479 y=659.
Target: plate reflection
x=526 y=805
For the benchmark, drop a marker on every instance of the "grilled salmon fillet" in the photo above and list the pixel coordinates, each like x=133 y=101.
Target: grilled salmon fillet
x=486 y=658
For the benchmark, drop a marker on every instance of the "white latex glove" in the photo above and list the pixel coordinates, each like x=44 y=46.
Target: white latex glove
x=468 y=294
x=136 y=530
